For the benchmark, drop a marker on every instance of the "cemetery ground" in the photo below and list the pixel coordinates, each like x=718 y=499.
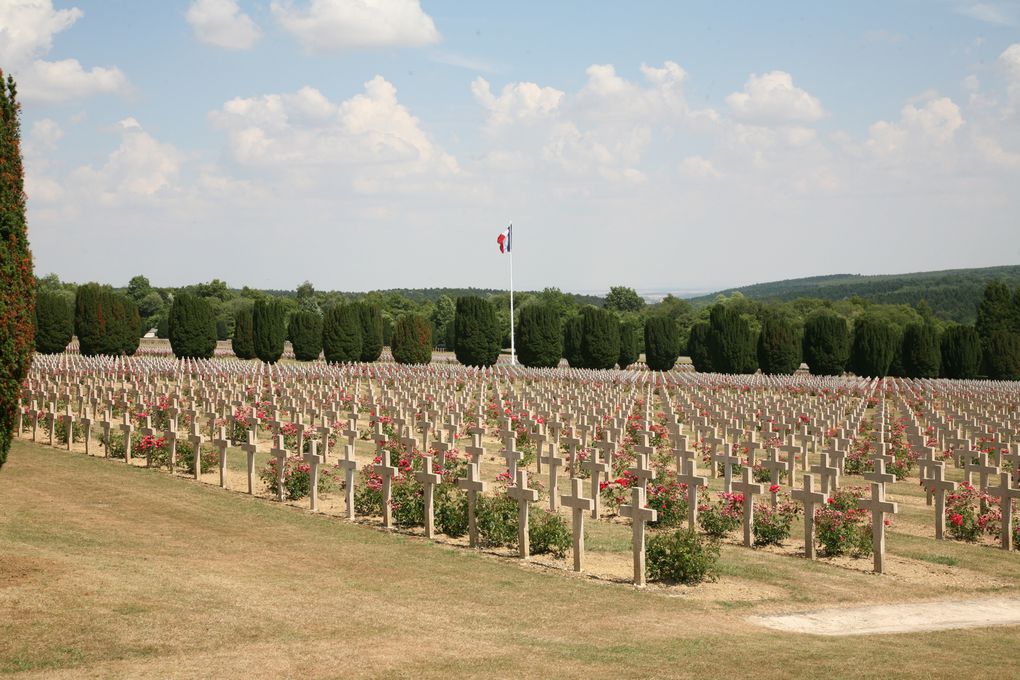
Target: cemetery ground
x=109 y=570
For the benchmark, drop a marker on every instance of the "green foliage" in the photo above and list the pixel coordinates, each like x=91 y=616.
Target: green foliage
x=697 y=347
x=539 y=340
x=17 y=283
x=341 y=334
x=623 y=299
x=874 y=346
x=268 y=330
x=547 y=532
x=681 y=556
x=628 y=344
x=305 y=331
x=496 y=518
x=779 y=345
x=572 y=342
x=922 y=354
x=961 y=352
x=826 y=343
x=451 y=510
x=995 y=311
x=371 y=321
x=476 y=332
x=54 y=323
x=1001 y=351
x=731 y=341
x=192 y=327
x=105 y=322
x=243 y=341
x=442 y=317
x=412 y=340
x=662 y=343
x=600 y=338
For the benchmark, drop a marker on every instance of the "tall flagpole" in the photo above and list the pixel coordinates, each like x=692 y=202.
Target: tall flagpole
x=510 y=247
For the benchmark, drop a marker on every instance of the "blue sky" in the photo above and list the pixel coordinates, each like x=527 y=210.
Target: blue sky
x=384 y=143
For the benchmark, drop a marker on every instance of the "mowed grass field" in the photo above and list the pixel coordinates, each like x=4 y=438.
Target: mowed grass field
x=111 y=571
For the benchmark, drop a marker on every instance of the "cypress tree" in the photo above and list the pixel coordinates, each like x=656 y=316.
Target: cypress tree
x=1001 y=351
x=922 y=354
x=628 y=344
x=697 y=347
x=17 y=284
x=54 y=325
x=476 y=332
x=779 y=345
x=341 y=334
x=412 y=340
x=994 y=312
x=731 y=341
x=163 y=327
x=268 y=331
x=125 y=332
x=572 y=342
x=873 y=347
x=961 y=352
x=600 y=338
x=90 y=319
x=662 y=343
x=243 y=343
x=305 y=333
x=539 y=340
x=371 y=331
x=191 y=326
x=826 y=343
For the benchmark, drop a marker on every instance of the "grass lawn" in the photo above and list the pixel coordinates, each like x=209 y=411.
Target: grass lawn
x=111 y=571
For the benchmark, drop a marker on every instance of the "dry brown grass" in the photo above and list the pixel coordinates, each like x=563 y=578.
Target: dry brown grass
x=110 y=571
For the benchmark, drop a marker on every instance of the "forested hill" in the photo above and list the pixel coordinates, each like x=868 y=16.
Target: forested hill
x=421 y=295
x=952 y=293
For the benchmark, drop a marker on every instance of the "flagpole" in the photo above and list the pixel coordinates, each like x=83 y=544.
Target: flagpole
x=513 y=348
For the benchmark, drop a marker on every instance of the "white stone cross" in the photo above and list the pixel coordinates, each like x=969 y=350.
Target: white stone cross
x=387 y=472
x=473 y=485
x=828 y=473
x=1006 y=493
x=749 y=488
x=280 y=454
x=694 y=482
x=349 y=465
x=938 y=486
x=641 y=471
x=250 y=448
x=878 y=507
x=578 y=505
x=639 y=514
x=196 y=447
x=595 y=471
x=523 y=495
x=554 y=462
x=429 y=480
x=313 y=459
x=809 y=498
x=221 y=444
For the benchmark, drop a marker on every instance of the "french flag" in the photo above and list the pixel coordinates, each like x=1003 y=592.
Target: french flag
x=504 y=240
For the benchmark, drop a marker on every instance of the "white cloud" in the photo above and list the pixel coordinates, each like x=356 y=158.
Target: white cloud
x=330 y=25
x=222 y=23
x=44 y=135
x=920 y=129
x=517 y=101
x=992 y=13
x=773 y=98
x=58 y=81
x=698 y=167
x=27 y=28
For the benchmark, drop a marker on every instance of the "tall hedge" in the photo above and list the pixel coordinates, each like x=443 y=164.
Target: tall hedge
x=572 y=342
x=731 y=341
x=922 y=354
x=995 y=311
x=476 y=332
x=90 y=319
x=243 y=342
x=371 y=331
x=412 y=340
x=628 y=344
x=961 y=352
x=826 y=343
x=1001 y=351
x=873 y=348
x=305 y=331
x=662 y=343
x=192 y=327
x=697 y=347
x=268 y=330
x=17 y=284
x=341 y=334
x=539 y=339
x=54 y=322
x=600 y=338
x=779 y=346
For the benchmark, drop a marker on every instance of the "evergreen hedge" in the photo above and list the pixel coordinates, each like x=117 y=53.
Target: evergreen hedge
x=105 y=322
x=54 y=322
x=268 y=330
x=341 y=334
x=662 y=343
x=243 y=342
x=1001 y=351
x=476 y=332
x=961 y=352
x=697 y=347
x=192 y=328
x=731 y=341
x=539 y=339
x=600 y=338
x=628 y=344
x=305 y=331
x=826 y=343
x=921 y=352
x=779 y=346
x=874 y=346
x=572 y=342
x=371 y=331
x=412 y=340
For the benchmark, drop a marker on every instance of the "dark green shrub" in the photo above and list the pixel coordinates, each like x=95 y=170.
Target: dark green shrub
x=341 y=334
x=600 y=338
x=779 y=346
x=371 y=330
x=1001 y=351
x=547 y=532
x=873 y=347
x=995 y=311
x=476 y=332
x=539 y=339
x=268 y=330
x=451 y=510
x=54 y=325
x=496 y=517
x=91 y=319
x=681 y=556
x=572 y=342
x=192 y=327
x=243 y=342
x=961 y=352
x=921 y=352
x=731 y=341
x=662 y=343
x=222 y=332
x=826 y=343
x=305 y=331
x=163 y=327
x=697 y=347
x=412 y=340
x=628 y=344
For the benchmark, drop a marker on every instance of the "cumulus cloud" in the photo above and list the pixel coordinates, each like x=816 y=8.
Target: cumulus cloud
x=933 y=124
x=27 y=28
x=517 y=101
x=222 y=23
x=773 y=98
x=331 y=25
x=992 y=13
x=53 y=82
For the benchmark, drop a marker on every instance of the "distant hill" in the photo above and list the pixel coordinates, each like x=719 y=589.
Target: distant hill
x=420 y=295
x=952 y=293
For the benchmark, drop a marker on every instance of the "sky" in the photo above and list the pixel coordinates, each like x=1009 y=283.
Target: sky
x=372 y=144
